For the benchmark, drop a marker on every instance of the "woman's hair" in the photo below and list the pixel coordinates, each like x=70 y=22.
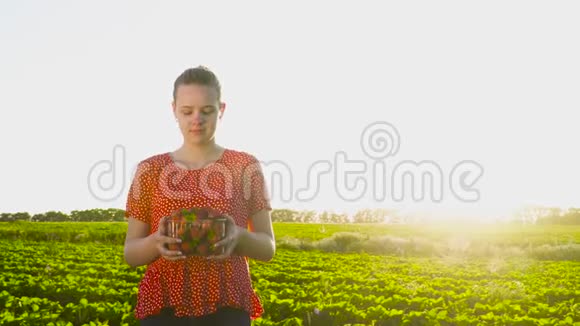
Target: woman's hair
x=199 y=75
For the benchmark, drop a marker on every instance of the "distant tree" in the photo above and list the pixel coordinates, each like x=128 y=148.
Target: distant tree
x=324 y=217
x=531 y=214
x=309 y=217
x=12 y=217
x=283 y=215
x=21 y=216
x=50 y=216
x=572 y=216
x=334 y=218
x=116 y=215
x=377 y=215
x=339 y=218
x=53 y=216
x=548 y=215
x=98 y=215
x=306 y=216
x=39 y=217
x=555 y=212
x=382 y=215
x=81 y=216
x=362 y=216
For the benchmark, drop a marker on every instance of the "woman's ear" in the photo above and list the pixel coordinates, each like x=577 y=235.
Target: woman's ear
x=173 y=109
x=222 y=110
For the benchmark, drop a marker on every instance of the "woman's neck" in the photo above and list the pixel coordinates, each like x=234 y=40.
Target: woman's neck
x=199 y=153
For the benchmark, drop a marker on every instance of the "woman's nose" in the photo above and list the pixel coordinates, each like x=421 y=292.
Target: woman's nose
x=197 y=117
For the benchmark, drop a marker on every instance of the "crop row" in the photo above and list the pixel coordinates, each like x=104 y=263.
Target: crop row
x=86 y=282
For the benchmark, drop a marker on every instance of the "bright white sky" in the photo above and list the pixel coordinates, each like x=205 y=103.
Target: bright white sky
x=496 y=82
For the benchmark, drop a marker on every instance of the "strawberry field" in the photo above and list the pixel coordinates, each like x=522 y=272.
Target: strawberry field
x=74 y=274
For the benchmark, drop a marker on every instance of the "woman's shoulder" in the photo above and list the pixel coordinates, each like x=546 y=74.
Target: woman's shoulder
x=157 y=158
x=241 y=155
x=153 y=162
x=240 y=158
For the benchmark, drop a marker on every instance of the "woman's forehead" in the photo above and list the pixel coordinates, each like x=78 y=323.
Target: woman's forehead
x=196 y=94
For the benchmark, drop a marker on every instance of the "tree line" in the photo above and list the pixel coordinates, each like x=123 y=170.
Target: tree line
x=89 y=215
x=548 y=215
x=361 y=216
x=527 y=215
x=278 y=215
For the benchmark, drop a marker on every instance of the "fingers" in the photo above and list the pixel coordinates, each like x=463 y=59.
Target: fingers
x=170 y=254
x=228 y=244
x=163 y=239
x=161 y=227
x=231 y=234
x=223 y=242
x=227 y=253
x=162 y=242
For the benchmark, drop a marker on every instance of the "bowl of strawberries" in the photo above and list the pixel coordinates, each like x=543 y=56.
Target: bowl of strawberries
x=199 y=228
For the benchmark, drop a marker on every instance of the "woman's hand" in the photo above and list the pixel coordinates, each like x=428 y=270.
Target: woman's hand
x=230 y=241
x=161 y=240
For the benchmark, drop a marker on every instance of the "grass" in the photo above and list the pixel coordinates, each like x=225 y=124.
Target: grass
x=546 y=242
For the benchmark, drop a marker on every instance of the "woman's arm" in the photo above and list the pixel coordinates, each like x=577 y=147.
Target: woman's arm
x=258 y=242
x=142 y=249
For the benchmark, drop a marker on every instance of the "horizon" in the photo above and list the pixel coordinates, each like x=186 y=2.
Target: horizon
x=394 y=216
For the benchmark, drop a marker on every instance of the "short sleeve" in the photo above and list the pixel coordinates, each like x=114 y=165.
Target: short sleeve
x=255 y=188
x=140 y=193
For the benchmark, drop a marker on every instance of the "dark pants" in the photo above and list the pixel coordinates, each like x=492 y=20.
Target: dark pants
x=225 y=316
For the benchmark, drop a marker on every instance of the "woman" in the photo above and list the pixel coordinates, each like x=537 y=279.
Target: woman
x=179 y=290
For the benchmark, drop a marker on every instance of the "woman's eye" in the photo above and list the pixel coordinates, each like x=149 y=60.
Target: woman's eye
x=204 y=112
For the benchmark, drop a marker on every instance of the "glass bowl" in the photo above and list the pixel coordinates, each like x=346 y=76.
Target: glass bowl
x=199 y=228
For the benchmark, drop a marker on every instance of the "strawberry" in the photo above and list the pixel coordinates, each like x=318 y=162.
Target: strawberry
x=186 y=248
x=195 y=231
x=180 y=231
x=203 y=249
x=203 y=228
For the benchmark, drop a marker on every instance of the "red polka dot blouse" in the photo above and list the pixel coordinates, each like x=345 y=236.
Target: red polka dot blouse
x=196 y=286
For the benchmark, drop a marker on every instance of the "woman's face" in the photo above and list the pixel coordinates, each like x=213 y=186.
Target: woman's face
x=197 y=110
